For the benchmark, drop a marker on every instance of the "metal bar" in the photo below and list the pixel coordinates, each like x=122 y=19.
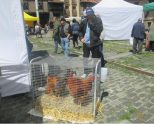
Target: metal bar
x=133 y=69
x=95 y=86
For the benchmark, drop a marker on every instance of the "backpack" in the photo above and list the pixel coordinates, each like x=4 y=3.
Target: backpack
x=75 y=28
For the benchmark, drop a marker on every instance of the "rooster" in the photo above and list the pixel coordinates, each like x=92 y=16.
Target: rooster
x=55 y=85
x=78 y=87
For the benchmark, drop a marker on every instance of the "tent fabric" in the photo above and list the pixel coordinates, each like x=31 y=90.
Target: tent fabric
x=148 y=6
x=118 y=18
x=29 y=17
x=14 y=61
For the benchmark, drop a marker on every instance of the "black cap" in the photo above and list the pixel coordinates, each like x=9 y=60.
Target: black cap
x=62 y=19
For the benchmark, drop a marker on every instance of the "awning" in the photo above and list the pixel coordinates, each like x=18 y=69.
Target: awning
x=148 y=7
x=29 y=17
x=89 y=1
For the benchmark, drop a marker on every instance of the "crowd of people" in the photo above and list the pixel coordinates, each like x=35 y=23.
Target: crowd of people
x=139 y=34
x=88 y=31
x=37 y=29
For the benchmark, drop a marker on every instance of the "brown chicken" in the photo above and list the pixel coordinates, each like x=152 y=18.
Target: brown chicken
x=79 y=88
x=55 y=85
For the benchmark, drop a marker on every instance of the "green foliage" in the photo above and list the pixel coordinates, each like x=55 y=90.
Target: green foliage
x=142 y=61
x=127 y=115
x=152 y=92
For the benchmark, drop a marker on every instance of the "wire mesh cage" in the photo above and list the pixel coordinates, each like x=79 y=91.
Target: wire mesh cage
x=66 y=89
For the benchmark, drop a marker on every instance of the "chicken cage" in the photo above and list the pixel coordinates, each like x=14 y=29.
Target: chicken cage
x=66 y=89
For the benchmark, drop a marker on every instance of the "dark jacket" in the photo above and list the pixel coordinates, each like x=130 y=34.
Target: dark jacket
x=56 y=26
x=138 y=30
x=67 y=29
x=75 y=27
x=96 y=27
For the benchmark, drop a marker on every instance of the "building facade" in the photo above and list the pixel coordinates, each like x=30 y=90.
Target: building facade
x=67 y=8
x=49 y=8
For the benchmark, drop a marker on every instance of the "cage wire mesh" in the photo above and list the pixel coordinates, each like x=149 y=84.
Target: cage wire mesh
x=60 y=92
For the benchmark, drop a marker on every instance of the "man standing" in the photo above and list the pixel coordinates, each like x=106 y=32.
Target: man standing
x=64 y=34
x=56 y=37
x=90 y=31
x=138 y=33
x=75 y=32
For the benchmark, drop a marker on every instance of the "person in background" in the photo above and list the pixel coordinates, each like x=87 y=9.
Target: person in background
x=75 y=32
x=29 y=47
x=149 y=25
x=38 y=30
x=27 y=29
x=56 y=37
x=46 y=28
x=147 y=42
x=151 y=37
x=89 y=34
x=138 y=33
x=64 y=31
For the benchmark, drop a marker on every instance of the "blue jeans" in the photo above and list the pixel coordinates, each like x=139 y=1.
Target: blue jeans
x=65 y=46
x=57 y=41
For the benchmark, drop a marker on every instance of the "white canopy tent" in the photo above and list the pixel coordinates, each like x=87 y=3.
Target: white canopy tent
x=118 y=18
x=15 y=77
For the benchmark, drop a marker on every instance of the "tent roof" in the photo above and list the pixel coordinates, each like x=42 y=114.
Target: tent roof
x=115 y=4
x=148 y=6
x=118 y=17
x=29 y=17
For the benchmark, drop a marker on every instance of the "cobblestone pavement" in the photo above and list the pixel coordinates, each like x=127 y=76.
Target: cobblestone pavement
x=131 y=98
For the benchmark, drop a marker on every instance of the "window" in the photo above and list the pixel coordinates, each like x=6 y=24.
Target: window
x=136 y=3
x=25 y=5
x=40 y=5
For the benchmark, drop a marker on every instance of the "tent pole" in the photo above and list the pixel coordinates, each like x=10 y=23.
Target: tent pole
x=37 y=10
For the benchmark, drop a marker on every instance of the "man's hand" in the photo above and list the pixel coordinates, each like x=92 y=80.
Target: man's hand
x=83 y=40
x=68 y=36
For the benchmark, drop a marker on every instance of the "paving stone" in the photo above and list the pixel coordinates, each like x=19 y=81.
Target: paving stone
x=111 y=119
x=152 y=99
x=121 y=95
x=151 y=110
x=151 y=120
x=149 y=105
x=115 y=102
x=137 y=104
x=147 y=116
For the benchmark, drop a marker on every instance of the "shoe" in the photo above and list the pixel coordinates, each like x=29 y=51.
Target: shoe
x=105 y=62
x=130 y=50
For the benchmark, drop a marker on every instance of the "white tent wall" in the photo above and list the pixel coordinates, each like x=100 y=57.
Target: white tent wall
x=14 y=62
x=118 y=18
